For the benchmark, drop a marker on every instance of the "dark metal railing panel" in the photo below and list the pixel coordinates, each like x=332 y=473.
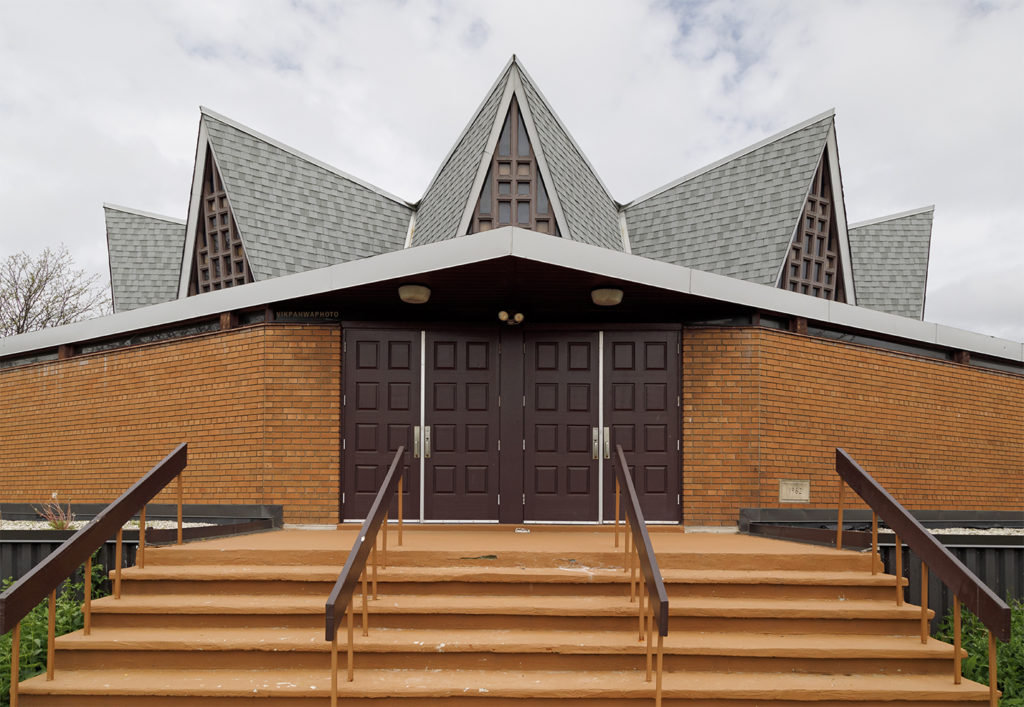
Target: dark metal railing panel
x=45 y=577
x=345 y=585
x=648 y=561
x=981 y=600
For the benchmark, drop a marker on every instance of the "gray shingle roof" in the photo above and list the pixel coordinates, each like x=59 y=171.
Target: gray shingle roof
x=145 y=257
x=591 y=214
x=736 y=217
x=890 y=259
x=443 y=204
x=295 y=213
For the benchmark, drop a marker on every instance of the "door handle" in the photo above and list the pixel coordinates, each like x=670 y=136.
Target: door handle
x=416 y=442
x=607 y=444
x=597 y=444
x=426 y=441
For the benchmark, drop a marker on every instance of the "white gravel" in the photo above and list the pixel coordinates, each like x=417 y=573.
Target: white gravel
x=75 y=525
x=966 y=531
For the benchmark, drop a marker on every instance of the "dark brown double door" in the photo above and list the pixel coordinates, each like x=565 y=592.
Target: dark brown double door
x=509 y=425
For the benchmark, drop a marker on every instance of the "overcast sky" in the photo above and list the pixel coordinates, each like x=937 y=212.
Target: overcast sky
x=99 y=102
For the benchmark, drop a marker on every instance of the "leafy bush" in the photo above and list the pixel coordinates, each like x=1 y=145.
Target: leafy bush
x=34 y=627
x=1009 y=656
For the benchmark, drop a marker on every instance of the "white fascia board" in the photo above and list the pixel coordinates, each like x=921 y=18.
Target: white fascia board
x=147 y=214
x=964 y=340
x=839 y=211
x=893 y=217
x=303 y=156
x=736 y=155
x=194 y=202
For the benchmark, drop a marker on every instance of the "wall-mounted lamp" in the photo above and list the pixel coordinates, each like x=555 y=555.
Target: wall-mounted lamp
x=606 y=296
x=511 y=319
x=414 y=294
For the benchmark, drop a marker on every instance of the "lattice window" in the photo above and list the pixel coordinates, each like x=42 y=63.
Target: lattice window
x=813 y=265
x=219 y=260
x=513 y=193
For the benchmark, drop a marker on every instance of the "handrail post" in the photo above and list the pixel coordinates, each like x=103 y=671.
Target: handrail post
x=874 y=542
x=15 y=662
x=51 y=628
x=957 y=670
x=181 y=495
x=334 y=669
x=993 y=692
x=140 y=554
x=839 y=519
x=87 y=609
x=117 y=561
x=661 y=663
x=899 y=571
x=924 y=602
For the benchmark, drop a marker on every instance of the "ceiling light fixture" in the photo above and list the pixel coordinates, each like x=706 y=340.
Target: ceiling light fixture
x=414 y=294
x=606 y=296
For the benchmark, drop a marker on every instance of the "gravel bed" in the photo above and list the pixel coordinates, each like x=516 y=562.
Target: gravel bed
x=75 y=525
x=966 y=531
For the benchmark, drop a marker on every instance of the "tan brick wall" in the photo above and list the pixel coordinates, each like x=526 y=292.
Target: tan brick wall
x=258 y=407
x=763 y=405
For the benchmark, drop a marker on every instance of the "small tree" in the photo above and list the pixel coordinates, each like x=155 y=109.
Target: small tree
x=47 y=290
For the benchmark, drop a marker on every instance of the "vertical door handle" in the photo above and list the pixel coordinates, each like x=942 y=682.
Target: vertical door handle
x=426 y=441
x=607 y=444
x=416 y=442
x=597 y=443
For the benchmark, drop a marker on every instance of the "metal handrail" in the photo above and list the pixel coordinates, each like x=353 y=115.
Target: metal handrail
x=650 y=573
x=340 y=599
x=993 y=612
x=44 y=578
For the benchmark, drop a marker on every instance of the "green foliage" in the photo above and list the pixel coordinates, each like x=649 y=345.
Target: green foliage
x=1009 y=656
x=34 y=627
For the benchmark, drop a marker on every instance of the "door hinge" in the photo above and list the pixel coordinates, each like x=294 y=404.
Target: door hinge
x=679 y=401
x=499 y=499
x=524 y=499
x=499 y=445
x=343 y=445
x=524 y=401
x=344 y=347
x=344 y=400
x=524 y=445
x=679 y=499
x=342 y=496
x=499 y=401
x=678 y=448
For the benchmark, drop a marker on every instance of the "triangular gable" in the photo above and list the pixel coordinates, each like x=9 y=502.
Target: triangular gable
x=293 y=213
x=450 y=206
x=735 y=217
x=144 y=251
x=890 y=255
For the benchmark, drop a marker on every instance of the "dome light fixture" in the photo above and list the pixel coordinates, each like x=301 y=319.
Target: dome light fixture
x=606 y=296
x=414 y=294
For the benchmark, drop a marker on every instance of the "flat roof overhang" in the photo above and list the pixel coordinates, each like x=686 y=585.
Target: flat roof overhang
x=546 y=278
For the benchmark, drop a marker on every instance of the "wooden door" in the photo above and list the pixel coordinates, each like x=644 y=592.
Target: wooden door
x=560 y=473
x=380 y=408
x=461 y=403
x=642 y=379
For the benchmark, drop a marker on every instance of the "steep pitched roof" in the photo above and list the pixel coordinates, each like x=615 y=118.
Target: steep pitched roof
x=890 y=256
x=145 y=256
x=584 y=210
x=295 y=213
x=735 y=217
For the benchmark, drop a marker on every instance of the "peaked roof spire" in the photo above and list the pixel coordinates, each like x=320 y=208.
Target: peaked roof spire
x=587 y=213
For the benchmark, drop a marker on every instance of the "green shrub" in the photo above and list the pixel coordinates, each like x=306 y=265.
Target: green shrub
x=1009 y=656
x=34 y=627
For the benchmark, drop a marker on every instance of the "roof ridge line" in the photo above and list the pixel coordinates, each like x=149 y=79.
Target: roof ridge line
x=892 y=217
x=830 y=113
x=147 y=214
x=522 y=70
x=458 y=140
x=302 y=155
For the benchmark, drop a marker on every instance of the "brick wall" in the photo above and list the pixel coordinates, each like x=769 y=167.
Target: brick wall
x=258 y=406
x=763 y=405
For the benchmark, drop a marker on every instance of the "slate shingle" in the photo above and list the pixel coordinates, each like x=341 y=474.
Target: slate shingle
x=296 y=215
x=145 y=257
x=736 y=219
x=890 y=260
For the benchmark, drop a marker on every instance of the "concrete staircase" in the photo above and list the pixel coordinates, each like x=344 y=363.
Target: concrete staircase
x=494 y=617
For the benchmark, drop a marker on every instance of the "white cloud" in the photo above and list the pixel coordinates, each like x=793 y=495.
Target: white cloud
x=100 y=104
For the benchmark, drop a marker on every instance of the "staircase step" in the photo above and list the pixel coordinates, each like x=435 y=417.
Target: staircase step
x=525 y=687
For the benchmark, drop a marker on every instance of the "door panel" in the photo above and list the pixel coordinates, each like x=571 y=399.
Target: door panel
x=462 y=413
x=561 y=394
x=382 y=381
x=642 y=379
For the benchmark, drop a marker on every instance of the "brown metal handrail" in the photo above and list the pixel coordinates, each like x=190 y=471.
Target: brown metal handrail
x=651 y=583
x=342 y=597
x=964 y=584
x=47 y=576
